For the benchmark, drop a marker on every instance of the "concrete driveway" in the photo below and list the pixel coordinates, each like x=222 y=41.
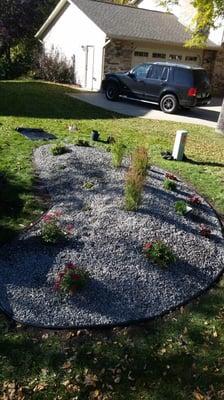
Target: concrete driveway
x=207 y=115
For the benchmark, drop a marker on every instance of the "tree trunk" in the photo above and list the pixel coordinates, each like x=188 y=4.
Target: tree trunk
x=220 y=125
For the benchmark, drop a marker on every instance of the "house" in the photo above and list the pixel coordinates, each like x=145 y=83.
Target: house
x=98 y=37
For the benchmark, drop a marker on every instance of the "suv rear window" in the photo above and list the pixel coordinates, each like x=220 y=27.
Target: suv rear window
x=200 y=76
x=183 y=76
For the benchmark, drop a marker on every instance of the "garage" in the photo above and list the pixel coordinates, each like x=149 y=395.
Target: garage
x=172 y=54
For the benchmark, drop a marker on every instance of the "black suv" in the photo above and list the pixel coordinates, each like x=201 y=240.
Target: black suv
x=169 y=85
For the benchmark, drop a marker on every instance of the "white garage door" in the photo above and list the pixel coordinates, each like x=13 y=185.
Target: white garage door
x=183 y=57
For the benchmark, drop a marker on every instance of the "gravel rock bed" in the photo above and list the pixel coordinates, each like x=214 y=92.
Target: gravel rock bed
x=107 y=241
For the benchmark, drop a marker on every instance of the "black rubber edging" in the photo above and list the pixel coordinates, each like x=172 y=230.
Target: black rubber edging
x=129 y=322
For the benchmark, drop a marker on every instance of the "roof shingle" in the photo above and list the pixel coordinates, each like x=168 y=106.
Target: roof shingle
x=135 y=23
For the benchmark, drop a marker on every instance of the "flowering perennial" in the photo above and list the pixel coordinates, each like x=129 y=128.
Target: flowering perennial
x=70 y=279
x=194 y=200
x=159 y=252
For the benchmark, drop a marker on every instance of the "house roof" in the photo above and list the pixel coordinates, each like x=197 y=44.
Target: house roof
x=127 y=22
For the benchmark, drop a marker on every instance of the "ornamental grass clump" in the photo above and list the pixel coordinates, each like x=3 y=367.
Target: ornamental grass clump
x=118 y=151
x=51 y=232
x=133 y=190
x=169 y=184
x=140 y=160
x=70 y=279
x=159 y=252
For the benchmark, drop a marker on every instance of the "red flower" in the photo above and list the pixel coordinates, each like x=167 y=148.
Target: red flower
x=193 y=199
x=205 y=231
x=69 y=265
x=171 y=176
x=76 y=277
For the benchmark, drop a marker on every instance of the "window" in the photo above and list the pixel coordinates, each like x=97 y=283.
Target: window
x=191 y=58
x=141 y=54
x=176 y=57
x=141 y=71
x=159 y=55
x=165 y=73
x=156 y=72
x=183 y=76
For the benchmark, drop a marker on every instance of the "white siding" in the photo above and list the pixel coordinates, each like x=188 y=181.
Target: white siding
x=70 y=35
x=184 y=11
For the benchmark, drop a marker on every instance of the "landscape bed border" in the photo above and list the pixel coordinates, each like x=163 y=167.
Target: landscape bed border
x=131 y=322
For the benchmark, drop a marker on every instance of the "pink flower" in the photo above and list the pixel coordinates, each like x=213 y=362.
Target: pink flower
x=58 y=213
x=147 y=246
x=48 y=217
x=70 y=228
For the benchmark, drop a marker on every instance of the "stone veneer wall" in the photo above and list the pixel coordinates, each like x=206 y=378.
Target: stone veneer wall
x=118 y=56
x=213 y=62
x=218 y=73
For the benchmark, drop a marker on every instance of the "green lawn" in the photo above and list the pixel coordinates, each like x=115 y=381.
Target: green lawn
x=178 y=357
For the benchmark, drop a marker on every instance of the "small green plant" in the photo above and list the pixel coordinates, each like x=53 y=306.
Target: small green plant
x=118 y=151
x=88 y=185
x=81 y=142
x=181 y=207
x=70 y=279
x=51 y=232
x=86 y=207
x=159 y=252
x=58 y=149
x=133 y=190
x=140 y=160
x=169 y=184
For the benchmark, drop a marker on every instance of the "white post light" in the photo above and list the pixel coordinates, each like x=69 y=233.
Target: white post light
x=179 y=144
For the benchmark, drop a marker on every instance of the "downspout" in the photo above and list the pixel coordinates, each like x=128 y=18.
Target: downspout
x=103 y=58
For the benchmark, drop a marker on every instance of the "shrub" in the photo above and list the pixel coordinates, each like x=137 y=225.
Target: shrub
x=54 y=68
x=118 y=152
x=181 y=207
x=51 y=232
x=169 y=184
x=58 y=149
x=140 y=160
x=133 y=190
x=70 y=279
x=159 y=252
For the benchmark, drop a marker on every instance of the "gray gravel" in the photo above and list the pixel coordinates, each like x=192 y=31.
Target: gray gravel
x=107 y=241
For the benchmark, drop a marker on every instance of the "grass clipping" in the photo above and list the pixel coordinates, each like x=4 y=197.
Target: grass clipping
x=135 y=179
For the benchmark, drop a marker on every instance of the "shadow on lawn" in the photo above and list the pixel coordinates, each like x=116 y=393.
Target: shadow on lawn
x=42 y=100
x=11 y=206
x=162 y=360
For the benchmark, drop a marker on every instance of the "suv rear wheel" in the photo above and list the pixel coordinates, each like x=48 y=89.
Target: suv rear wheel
x=168 y=104
x=112 y=91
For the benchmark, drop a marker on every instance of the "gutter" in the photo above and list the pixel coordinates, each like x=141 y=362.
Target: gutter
x=103 y=57
x=51 y=18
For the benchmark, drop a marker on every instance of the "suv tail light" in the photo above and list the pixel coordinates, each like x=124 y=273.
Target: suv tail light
x=192 y=92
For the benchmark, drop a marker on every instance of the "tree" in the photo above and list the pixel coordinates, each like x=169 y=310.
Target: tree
x=19 y=20
x=207 y=12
